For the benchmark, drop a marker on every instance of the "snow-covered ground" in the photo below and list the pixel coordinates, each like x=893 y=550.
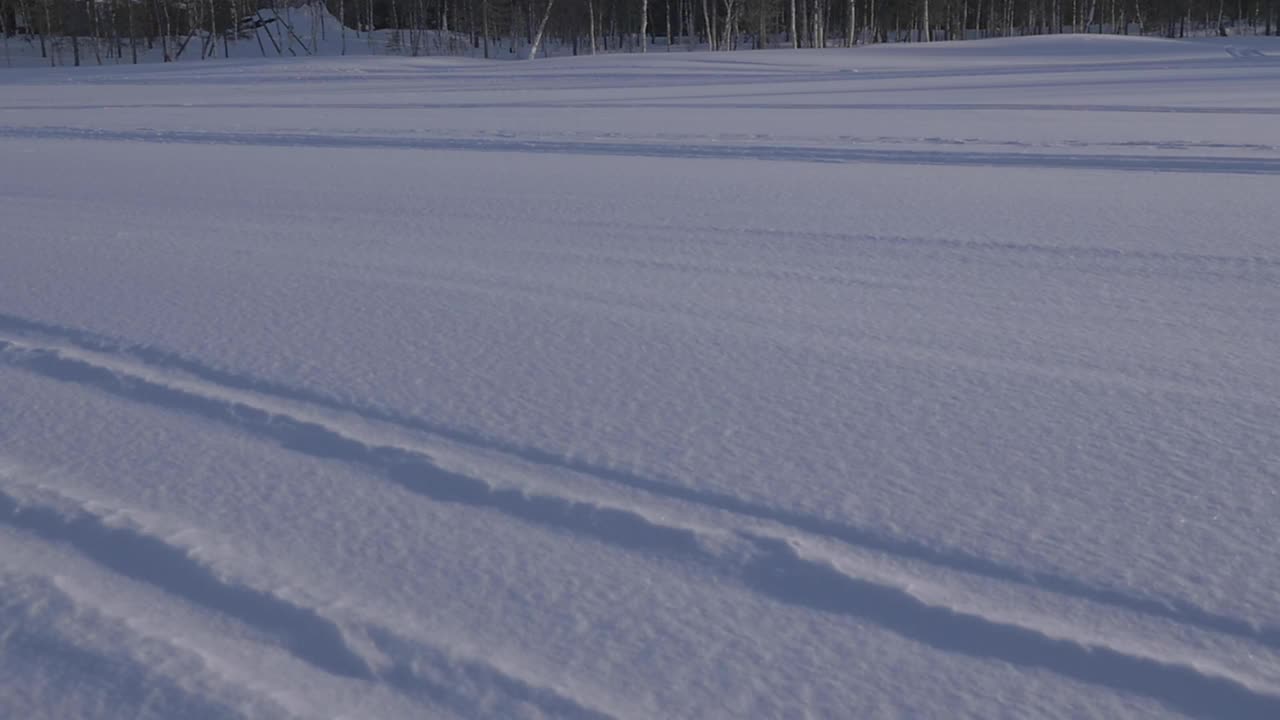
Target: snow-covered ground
x=896 y=382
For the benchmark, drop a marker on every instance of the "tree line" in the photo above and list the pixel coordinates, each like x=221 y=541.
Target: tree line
x=97 y=31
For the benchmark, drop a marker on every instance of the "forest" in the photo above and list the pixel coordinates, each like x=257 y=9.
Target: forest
x=97 y=31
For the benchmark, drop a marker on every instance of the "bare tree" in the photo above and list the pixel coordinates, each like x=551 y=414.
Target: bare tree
x=644 y=26
x=542 y=28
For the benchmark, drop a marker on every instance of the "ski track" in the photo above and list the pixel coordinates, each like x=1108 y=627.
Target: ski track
x=775 y=153
x=315 y=439
x=774 y=568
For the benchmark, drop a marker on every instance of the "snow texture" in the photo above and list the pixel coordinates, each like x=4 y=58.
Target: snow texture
x=895 y=382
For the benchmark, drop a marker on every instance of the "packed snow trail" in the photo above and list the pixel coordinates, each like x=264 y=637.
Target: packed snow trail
x=900 y=381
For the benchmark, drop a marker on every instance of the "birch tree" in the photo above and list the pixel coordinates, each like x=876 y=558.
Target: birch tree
x=542 y=28
x=644 y=26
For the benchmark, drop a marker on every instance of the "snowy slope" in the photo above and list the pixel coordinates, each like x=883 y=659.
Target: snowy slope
x=893 y=382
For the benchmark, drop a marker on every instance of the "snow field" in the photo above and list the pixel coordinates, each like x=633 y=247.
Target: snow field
x=884 y=383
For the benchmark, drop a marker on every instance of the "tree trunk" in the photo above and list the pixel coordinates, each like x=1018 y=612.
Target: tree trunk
x=542 y=27
x=133 y=36
x=728 y=26
x=4 y=36
x=166 y=32
x=591 y=21
x=48 y=27
x=667 y=5
x=817 y=40
x=92 y=9
x=760 y=37
x=644 y=26
x=709 y=25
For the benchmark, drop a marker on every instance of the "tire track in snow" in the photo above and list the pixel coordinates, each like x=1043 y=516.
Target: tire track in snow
x=415 y=471
x=773 y=568
x=688 y=102
x=415 y=668
x=943 y=106
x=855 y=536
x=148 y=559
x=782 y=153
x=1264 y=268
x=422 y=670
x=41 y=622
x=781 y=572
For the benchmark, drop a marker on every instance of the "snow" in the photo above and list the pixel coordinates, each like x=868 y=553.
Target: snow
x=894 y=382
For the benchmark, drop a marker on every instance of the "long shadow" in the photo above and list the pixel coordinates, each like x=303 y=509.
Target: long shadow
x=775 y=570
x=864 y=538
x=774 y=153
x=300 y=631
x=782 y=574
